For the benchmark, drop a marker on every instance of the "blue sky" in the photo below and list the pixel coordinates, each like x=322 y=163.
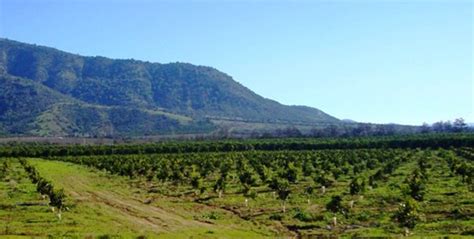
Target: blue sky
x=371 y=61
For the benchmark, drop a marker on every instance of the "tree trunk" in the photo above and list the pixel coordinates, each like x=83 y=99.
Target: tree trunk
x=59 y=214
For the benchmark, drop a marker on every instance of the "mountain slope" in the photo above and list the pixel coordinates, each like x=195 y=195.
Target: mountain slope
x=197 y=92
x=33 y=109
x=21 y=101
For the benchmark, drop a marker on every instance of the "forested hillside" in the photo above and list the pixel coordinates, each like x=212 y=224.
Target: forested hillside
x=58 y=93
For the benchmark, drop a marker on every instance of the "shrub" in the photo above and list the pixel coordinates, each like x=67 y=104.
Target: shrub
x=303 y=216
x=211 y=216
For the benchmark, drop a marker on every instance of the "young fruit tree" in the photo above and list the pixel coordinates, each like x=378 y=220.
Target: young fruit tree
x=220 y=186
x=357 y=185
x=282 y=187
x=407 y=214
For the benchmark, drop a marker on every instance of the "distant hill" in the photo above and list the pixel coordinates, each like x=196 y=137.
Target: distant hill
x=47 y=92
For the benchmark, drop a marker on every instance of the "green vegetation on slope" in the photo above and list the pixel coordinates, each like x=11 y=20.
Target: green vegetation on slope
x=31 y=108
x=194 y=91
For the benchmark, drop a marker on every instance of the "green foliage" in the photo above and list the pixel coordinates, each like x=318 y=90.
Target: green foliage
x=323 y=179
x=416 y=185
x=305 y=216
x=220 y=184
x=45 y=187
x=4 y=168
x=405 y=142
x=276 y=217
x=357 y=185
x=247 y=179
x=263 y=172
x=290 y=172
x=336 y=172
x=308 y=168
x=57 y=198
x=309 y=190
x=282 y=187
x=121 y=97
x=407 y=214
x=377 y=176
x=253 y=194
x=196 y=180
x=212 y=216
x=335 y=205
x=180 y=166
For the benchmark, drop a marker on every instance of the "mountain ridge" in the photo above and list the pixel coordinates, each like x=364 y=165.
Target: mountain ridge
x=201 y=93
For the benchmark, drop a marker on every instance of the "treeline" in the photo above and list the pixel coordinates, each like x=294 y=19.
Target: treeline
x=411 y=141
x=367 y=129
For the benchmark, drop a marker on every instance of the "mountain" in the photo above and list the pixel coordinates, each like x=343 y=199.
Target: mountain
x=48 y=92
x=349 y=121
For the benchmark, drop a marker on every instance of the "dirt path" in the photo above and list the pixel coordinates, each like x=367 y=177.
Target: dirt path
x=116 y=205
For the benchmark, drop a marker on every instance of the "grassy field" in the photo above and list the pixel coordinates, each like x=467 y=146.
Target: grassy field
x=108 y=199
x=105 y=205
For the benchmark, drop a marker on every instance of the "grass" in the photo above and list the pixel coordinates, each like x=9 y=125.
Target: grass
x=100 y=204
x=372 y=214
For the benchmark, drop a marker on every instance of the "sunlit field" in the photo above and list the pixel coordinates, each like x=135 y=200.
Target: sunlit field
x=411 y=186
